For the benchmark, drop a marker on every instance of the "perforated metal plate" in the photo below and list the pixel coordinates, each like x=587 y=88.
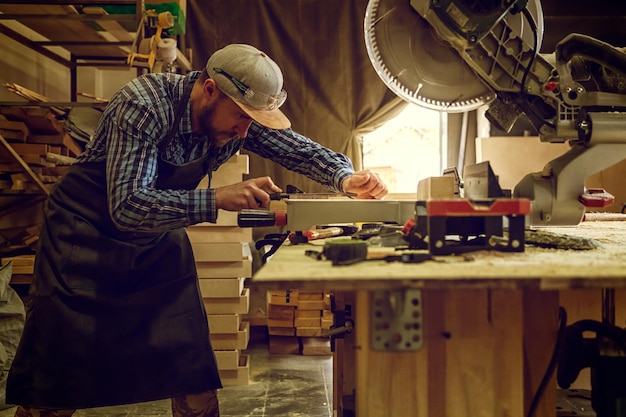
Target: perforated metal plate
x=397 y=322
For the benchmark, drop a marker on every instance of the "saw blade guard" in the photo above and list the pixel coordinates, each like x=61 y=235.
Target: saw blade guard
x=421 y=60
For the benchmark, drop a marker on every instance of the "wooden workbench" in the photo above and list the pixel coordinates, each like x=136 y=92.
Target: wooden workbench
x=489 y=323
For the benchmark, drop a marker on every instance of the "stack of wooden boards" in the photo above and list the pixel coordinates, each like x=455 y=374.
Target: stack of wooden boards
x=40 y=139
x=296 y=321
x=224 y=261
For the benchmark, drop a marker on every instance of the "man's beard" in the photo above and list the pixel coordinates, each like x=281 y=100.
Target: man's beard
x=218 y=138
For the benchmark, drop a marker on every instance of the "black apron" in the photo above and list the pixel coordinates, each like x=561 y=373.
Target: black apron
x=115 y=317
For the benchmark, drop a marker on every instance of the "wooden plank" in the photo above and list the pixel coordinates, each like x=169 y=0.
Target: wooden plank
x=315 y=346
x=63 y=29
x=239 y=340
x=239 y=376
x=224 y=323
x=309 y=331
x=242 y=268
x=227 y=359
x=284 y=345
x=285 y=323
x=308 y=322
x=210 y=233
x=12 y=130
x=42 y=187
x=40 y=120
x=218 y=252
x=228 y=305
x=220 y=287
x=111 y=26
x=31 y=148
x=281 y=312
x=283 y=297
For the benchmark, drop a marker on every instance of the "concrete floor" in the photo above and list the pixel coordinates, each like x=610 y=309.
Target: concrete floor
x=280 y=385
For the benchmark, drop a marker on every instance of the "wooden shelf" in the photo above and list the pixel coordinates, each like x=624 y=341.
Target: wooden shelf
x=87 y=34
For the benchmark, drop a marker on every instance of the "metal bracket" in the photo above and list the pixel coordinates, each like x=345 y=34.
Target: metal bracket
x=397 y=320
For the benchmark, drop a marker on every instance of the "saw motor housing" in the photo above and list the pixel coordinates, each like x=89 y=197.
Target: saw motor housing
x=459 y=55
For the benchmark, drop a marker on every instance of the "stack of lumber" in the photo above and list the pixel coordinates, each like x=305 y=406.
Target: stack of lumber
x=223 y=261
x=296 y=321
x=40 y=140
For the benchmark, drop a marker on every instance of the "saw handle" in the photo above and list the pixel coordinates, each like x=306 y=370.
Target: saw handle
x=261 y=218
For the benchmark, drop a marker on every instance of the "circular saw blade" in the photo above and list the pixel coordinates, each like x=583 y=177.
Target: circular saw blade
x=417 y=65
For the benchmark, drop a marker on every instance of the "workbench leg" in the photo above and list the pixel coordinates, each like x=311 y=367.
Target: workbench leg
x=343 y=363
x=484 y=353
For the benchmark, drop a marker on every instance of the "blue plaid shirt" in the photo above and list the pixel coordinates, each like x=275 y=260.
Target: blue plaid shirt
x=139 y=117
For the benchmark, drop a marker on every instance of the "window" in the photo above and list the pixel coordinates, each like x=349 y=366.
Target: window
x=408 y=148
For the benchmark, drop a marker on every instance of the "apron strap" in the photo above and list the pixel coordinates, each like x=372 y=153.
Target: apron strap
x=180 y=109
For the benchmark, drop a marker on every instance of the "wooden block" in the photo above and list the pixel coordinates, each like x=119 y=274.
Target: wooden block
x=217 y=252
x=311 y=314
x=32 y=148
x=436 y=187
x=10 y=167
x=210 y=233
x=280 y=312
x=221 y=287
x=54 y=139
x=311 y=305
x=110 y=26
x=230 y=341
x=39 y=120
x=310 y=295
x=308 y=322
x=65 y=141
x=242 y=268
x=328 y=319
x=14 y=131
x=239 y=376
x=227 y=359
x=327 y=301
x=230 y=305
x=224 y=323
x=315 y=346
x=284 y=345
x=281 y=331
x=309 y=331
x=37 y=160
x=279 y=322
x=286 y=297
x=21 y=264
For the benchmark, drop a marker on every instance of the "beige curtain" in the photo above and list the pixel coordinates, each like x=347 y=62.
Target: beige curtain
x=334 y=94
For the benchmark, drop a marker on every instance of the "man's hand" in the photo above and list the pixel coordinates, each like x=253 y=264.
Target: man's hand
x=249 y=194
x=365 y=184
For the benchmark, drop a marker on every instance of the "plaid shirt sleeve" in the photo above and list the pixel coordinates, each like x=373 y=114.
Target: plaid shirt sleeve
x=300 y=154
x=137 y=121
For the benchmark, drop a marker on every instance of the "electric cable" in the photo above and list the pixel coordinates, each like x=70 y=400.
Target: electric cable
x=533 y=27
x=551 y=365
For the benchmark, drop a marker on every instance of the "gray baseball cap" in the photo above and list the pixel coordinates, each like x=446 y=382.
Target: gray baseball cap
x=254 y=82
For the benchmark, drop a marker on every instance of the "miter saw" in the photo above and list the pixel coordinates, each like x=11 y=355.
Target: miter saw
x=458 y=55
